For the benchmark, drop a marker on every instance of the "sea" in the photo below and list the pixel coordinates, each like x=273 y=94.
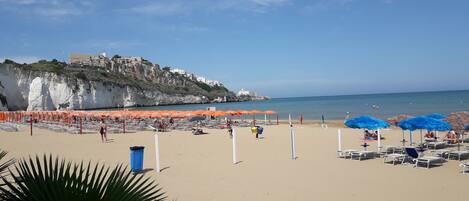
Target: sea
x=339 y=107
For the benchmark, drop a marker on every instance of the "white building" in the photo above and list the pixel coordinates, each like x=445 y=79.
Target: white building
x=244 y=92
x=196 y=77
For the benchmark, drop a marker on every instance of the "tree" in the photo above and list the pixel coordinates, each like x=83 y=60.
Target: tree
x=53 y=180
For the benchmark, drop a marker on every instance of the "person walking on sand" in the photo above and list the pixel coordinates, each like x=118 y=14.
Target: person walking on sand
x=103 y=131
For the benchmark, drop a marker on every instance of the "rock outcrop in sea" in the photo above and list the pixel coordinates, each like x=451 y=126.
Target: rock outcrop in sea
x=91 y=82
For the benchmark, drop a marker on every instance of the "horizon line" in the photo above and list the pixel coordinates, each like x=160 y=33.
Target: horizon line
x=377 y=93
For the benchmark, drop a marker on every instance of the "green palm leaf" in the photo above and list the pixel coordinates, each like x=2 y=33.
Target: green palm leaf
x=4 y=165
x=53 y=179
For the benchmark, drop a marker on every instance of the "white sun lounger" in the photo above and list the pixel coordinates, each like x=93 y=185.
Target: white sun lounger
x=465 y=167
x=458 y=154
x=345 y=153
x=428 y=161
x=436 y=145
x=394 y=158
x=360 y=155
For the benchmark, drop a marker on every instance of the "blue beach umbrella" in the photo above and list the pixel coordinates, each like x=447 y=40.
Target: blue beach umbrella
x=406 y=125
x=424 y=122
x=366 y=122
x=436 y=116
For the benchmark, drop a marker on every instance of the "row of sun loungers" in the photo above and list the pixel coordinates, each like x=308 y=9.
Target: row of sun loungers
x=410 y=155
x=131 y=126
x=8 y=127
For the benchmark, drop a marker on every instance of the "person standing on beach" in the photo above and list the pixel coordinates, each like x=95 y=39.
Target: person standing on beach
x=103 y=130
x=230 y=130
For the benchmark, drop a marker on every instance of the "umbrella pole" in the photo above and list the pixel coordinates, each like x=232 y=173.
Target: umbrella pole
x=411 y=138
x=234 y=146
x=421 y=137
x=157 y=153
x=379 y=141
x=339 y=139
x=403 y=138
x=292 y=135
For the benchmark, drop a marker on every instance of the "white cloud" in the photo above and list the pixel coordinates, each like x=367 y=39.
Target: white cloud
x=47 y=8
x=58 y=12
x=180 y=7
x=270 y=2
x=161 y=8
x=22 y=59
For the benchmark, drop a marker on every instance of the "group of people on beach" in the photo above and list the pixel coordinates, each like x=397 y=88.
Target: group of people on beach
x=451 y=137
x=370 y=135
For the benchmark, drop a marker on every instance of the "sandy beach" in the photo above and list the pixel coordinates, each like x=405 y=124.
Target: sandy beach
x=200 y=167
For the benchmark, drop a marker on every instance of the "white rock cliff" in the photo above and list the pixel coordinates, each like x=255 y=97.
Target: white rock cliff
x=34 y=90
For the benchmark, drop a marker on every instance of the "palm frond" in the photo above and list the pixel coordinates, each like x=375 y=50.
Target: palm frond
x=4 y=164
x=53 y=179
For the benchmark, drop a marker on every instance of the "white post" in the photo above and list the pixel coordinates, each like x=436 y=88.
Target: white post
x=292 y=134
x=339 y=138
x=265 y=119
x=379 y=141
x=157 y=153
x=289 y=119
x=411 y=138
x=436 y=135
x=234 y=146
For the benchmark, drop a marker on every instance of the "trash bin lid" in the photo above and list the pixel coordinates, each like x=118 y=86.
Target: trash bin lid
x=137 y=147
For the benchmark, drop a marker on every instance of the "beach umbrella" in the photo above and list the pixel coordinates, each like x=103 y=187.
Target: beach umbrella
x=406 y=125
x=367 y=122
x=458 y=120
x=424 y=122
x=436 y=116
x=395 y=120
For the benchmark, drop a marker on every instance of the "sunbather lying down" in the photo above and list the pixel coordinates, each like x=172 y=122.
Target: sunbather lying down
x=198 y=131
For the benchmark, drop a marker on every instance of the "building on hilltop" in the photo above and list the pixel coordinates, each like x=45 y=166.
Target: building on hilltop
x=197 y=78
x=99 y=60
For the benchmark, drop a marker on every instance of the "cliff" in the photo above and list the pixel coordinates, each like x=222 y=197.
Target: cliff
x=51 y=85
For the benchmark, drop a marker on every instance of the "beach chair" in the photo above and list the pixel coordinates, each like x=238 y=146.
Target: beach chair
x=458 y=154
x=394 y=158
x=345 y=153
x=428 y=161
x=436 y=145
x=361 y=155
x=465 y=167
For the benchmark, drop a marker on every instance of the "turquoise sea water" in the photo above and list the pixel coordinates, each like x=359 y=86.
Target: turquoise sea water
x=336 y=107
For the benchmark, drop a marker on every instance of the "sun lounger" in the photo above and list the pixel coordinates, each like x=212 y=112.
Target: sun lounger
x=465 y=167
x=458 y=154
x=428 y=161
x=436 y=145
x=345 y=153
x=361 y=155
x=394 y=158
x=441 y=153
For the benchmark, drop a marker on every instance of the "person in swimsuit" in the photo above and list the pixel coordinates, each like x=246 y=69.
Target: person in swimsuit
x=103 y=130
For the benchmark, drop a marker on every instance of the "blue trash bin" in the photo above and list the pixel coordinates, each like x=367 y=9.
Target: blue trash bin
x=136 y=158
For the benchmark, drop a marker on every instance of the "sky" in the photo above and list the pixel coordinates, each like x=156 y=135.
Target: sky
x=279 y=48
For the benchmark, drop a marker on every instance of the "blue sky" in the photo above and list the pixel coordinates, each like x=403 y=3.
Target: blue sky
x=280 y=48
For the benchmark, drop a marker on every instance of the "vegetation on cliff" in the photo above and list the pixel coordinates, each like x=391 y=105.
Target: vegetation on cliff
x=168 y=83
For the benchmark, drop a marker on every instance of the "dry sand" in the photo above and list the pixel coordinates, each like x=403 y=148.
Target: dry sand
x=200 y=167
